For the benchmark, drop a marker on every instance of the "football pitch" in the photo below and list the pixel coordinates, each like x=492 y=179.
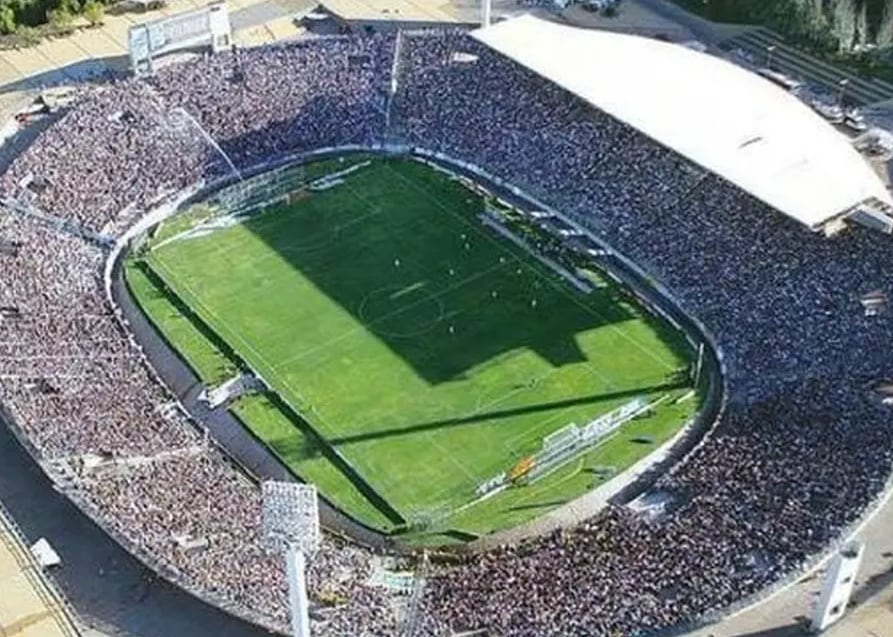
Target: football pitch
x=411 y=352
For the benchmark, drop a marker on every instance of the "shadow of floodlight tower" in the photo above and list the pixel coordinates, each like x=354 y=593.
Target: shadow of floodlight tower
x=291 y=526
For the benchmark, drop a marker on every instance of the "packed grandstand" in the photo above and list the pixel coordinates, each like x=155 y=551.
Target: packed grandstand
x=801 y=448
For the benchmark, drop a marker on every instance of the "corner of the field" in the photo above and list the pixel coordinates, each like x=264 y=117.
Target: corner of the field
x=590 y=503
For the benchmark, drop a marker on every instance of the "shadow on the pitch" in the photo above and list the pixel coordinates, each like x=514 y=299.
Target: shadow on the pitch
x=538 y=505
x=503 y=413
x=315 y=444
x=427 y=279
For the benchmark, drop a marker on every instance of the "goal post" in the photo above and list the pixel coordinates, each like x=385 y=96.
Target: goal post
x=264 y=190
x=562 y=446
x=569 y=435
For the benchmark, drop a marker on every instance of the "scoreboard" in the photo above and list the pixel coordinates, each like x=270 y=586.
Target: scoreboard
x=207 y=26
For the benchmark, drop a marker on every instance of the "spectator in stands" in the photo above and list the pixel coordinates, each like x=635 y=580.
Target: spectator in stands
x=800 y=450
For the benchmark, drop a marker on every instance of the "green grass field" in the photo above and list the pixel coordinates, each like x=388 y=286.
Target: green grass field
x=413 y=352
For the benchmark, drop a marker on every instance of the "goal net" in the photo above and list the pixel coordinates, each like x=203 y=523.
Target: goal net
x=569 y=435
x=262 y=191
x=564 y=445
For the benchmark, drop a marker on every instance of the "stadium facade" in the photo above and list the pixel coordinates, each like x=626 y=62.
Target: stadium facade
x=798 y=454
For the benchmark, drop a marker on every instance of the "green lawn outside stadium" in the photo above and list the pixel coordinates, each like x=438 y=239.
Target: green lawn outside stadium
x=424 y=353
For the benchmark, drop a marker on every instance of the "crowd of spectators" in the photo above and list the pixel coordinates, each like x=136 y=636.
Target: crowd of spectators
x=169 y=132
x=803 y=445
x=269 y=102
x=80 y=391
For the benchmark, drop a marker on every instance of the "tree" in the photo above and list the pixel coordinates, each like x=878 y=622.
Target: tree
x=7 y=19
x=71 y=6
x=29 y=12
x=61 y=20
x=845 y=15
x=94 y=11
x=885 y=29
x=27 y=36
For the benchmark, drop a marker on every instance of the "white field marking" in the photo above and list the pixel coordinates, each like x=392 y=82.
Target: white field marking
x=487 y=496
x=512 y=443
x=595 y=371
x=550 y=486
x=274 y=369
x=534 y=266
x=479 y=406
x=471 y=478
x=282 y=216
x=486 y=469
x=507 y=395
x=398 y=483
x=362 y=325
x=580 y=455
x=201 y=223
x=481 y=403
x=274 y=254
x=338 y=175
x=270 y=372
x=398 y=292
x=588 y=366
x=368 y=326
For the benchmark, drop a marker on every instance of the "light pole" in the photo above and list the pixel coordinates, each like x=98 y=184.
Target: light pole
x=769 y=51
x=842 y=84
x=291 y=526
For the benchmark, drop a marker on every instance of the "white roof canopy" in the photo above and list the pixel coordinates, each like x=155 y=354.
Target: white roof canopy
x=719 y=115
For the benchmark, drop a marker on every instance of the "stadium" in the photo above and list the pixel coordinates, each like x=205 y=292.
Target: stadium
x=563 y=352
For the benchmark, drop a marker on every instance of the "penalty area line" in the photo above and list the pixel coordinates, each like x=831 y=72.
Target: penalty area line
x=550 y=280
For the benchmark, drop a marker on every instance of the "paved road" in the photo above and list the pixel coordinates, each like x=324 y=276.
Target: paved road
x=29 y=606
x=263 y=12
x=708 y=32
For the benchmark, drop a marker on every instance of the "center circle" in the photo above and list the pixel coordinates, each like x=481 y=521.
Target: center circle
x=401 y=310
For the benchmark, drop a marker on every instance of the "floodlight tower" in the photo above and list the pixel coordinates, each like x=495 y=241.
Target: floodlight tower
x=291 y=525
x=486 y=5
